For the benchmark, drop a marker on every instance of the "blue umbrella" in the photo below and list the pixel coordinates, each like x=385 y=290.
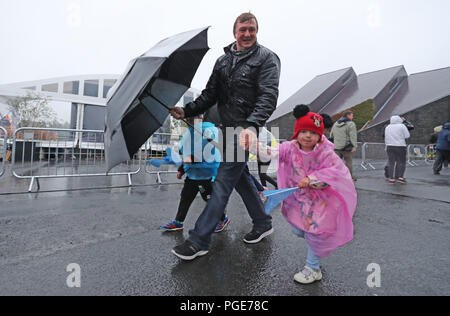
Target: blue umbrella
x=274 y=198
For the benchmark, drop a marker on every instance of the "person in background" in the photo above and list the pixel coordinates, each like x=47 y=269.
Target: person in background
x=322 y=210
x=344 y=135
x=408 y=124
x=442 y=149
x=328 y=124
x=395 y=135
x=434 y=137
x=433 y=140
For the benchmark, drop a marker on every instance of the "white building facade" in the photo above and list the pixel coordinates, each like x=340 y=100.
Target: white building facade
x=87 y=95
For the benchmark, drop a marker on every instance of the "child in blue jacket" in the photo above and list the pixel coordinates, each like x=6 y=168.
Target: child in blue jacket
x=200 y=165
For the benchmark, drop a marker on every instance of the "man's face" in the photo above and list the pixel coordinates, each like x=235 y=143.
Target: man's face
x=245 y=34
x=350 y=116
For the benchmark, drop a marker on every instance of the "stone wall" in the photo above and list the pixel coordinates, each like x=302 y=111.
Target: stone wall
x=285 y=124
x=424 y=120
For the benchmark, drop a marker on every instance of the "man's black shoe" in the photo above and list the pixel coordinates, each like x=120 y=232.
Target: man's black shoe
x=255 y=236
x=188 y=251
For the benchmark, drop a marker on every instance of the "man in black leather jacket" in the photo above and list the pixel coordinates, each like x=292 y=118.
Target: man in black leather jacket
x=244 y=84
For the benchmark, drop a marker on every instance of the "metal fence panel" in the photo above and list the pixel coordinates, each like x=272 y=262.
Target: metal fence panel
x=430 y=151
x=56 y=153
x=417 y=154
x=155 y=148
x=358 y=153
x=373 y=156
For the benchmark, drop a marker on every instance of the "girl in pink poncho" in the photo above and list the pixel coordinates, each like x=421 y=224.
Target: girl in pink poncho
x=322 y=210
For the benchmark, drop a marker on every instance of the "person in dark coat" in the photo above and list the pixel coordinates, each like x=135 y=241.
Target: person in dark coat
x=442 y=148
x=328 y=123
x=244 y=84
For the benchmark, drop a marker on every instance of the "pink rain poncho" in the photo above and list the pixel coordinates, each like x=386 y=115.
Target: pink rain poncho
x=325 y=215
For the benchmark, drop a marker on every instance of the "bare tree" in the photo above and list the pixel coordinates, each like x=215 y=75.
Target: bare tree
x=32 y=110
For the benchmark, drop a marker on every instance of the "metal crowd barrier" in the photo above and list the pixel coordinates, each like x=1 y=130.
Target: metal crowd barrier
x=60 y=153
x=3 y=149
x=416 y=153
x=372 y=155
x=358 y=153
x=155 y=148
x=430 y=153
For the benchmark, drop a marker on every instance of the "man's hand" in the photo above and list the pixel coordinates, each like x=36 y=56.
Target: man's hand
x=180 y=175
x=353 y=150
x=248 y=140
x=304 y=183
x=176 y=112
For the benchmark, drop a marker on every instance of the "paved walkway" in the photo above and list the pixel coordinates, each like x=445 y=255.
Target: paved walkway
x=113 y=234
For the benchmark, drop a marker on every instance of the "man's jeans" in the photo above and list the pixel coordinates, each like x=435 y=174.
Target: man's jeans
x=231 y=175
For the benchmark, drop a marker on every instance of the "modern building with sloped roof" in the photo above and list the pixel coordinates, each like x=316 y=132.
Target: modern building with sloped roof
x=423 y=98
x=86 y=94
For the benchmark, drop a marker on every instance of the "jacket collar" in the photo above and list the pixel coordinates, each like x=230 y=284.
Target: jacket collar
x=343 y=120
x=230 y=49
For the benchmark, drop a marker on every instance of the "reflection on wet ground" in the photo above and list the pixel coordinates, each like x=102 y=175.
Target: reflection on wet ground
x=114 y=235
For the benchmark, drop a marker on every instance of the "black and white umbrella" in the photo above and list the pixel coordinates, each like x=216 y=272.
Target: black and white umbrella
x=138 y=104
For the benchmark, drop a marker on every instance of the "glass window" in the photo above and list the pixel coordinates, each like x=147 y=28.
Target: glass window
x=30 y=88
x=108 y=84
x=53 y=87
x=94 y=117
x=71 y=87
x=91 y=88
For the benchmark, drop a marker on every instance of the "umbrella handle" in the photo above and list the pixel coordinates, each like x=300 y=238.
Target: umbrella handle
x=215 y=144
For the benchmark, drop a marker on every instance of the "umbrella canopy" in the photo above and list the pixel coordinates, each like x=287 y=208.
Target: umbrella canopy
x=137 y=105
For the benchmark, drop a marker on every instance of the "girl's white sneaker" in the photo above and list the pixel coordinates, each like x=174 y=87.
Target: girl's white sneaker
x=308 y=276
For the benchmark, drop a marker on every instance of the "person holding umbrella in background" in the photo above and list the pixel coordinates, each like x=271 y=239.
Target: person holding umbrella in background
x=244 y=84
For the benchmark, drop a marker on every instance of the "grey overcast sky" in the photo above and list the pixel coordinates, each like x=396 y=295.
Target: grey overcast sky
x=41 y=39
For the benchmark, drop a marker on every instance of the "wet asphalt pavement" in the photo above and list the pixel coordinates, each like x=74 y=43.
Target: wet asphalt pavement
x=114 y=236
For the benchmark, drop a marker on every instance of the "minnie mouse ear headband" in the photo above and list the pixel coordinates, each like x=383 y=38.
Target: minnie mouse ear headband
x=307 y=121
